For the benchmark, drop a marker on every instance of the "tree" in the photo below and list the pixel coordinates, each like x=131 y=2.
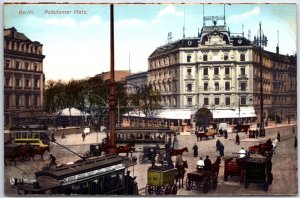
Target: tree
x=147 y=99
x=203 y=117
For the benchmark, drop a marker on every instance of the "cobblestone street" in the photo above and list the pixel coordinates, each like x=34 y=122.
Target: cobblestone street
x=284 y=162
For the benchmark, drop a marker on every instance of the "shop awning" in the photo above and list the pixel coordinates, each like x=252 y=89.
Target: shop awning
x=243 y=112
x=175 y=114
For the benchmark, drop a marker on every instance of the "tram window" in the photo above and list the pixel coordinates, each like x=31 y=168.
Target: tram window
x=95 y=187
x=24 y=135
x=36 y=135
x=29 y=135
x=84 y=188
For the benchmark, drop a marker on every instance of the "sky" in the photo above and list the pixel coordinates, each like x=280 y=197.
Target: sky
x=77 y=45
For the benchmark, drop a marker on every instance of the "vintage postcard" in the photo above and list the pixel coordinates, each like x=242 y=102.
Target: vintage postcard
x=140 y=99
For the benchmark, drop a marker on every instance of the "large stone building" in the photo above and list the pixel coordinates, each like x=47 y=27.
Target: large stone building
x=23 y=74
x=221 y=72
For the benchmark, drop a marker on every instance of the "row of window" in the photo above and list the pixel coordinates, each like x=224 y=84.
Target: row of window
x=18 y=82
x=217 y=101
x=243 y=86
x=19 y=65
x=22 y=47
x=189 y=57
x=21 y=100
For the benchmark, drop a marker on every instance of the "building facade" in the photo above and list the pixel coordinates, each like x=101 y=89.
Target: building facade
x=221 y=72
x=23 y=74
x=135 y=81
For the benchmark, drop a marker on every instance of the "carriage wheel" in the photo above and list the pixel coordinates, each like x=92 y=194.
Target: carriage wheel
x=166 y=190
x=270 y=178
x=242 y=175
x=148 y=190
x=266 y=183
x=225 y=177
x=174 y=189
x=246 y=183
x=206 y=185
x=215 y=181
x=188 y=184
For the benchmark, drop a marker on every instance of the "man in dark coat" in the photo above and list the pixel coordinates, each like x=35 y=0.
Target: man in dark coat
x=237 y=139
x=195 y=148
x=225 y=134
x=221 y=150
x=207 y=164
x=218 y=144
x=278 y=136
x=295 y=143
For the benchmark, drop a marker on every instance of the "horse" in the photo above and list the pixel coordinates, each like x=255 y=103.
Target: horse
x=39 y=151
x=179 y=176
x=11 y=152
x=125 y=149
x=25 y=152
x=174 y=152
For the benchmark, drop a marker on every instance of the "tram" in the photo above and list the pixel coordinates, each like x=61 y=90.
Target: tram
x=35 y=135
x=93 y=176
x=143 y=135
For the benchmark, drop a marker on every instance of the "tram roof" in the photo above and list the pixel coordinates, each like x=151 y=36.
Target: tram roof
x=51 y=178
x=82 y=166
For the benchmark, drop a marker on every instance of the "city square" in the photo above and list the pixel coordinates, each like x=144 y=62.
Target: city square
x=221 y=93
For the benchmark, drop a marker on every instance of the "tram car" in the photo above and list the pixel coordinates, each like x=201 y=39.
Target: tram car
x=234 y=166
x=258 y=169
x=204 y=179
x=94 y=176
x=161 y=181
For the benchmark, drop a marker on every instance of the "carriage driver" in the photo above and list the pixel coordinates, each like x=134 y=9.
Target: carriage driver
x=200 y=164
x=242 y=153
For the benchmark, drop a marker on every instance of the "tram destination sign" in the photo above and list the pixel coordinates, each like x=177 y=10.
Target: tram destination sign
x=92 y=173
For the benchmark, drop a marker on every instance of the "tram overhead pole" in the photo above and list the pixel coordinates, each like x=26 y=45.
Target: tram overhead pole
x=112 y=91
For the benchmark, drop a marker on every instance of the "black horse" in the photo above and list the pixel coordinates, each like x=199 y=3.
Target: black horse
x=180 y=166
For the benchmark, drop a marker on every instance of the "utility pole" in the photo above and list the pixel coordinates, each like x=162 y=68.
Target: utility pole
x=112 y=96
x=261 y=82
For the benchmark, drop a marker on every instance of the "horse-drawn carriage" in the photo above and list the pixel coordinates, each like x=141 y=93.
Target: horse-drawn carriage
x=235 y=166
x=263 y=149
x=149 y=153
x=161 y=181
x=204 y=178
x=95 y=150
x=241 y=128
x=258 y=169
x=206 y=134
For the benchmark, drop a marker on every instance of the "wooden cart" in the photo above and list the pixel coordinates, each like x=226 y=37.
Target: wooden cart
x=202 y=179
x=161 y=181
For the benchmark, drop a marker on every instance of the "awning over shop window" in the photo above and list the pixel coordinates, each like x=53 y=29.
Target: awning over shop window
x=176 y=114
x=243 y=112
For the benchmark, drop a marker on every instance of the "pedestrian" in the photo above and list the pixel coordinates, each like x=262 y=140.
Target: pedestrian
x=200 y=164
x=295 y=143
x=256 y=133
x=293 y=130
x=52 y=160
x=221 y=150
x=63 y=136
x=83 y=136
x=175 y=143
x=129 y=183
x=195 y=148
x=237 y=139
x=52 y=137
x=218 y=144
x=278 y=136
x=225 y=134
